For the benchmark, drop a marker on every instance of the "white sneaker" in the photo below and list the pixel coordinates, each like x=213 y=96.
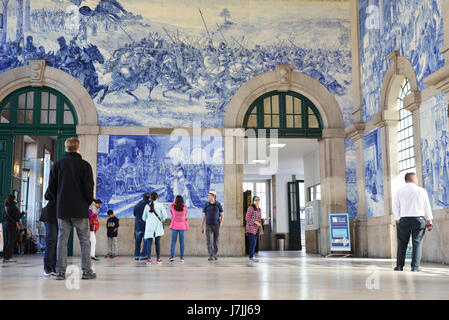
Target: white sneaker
x=47 y=274
x=253 y=260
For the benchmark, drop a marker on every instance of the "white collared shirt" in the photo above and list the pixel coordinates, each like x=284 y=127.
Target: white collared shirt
x=412 y=201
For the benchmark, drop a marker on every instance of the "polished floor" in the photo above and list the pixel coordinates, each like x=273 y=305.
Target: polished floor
x=278 y=275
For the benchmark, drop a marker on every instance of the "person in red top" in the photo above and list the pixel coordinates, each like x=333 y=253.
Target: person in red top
x=253 y=223
x=179 y=224
x=94 y=209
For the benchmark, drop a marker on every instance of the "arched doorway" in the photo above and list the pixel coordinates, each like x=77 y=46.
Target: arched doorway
x=39 y=101
x=330 y=132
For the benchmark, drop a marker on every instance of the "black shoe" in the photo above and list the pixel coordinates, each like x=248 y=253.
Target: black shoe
x=210 y=259
x=95 y=258
x=416 y=270
x=215 y=258
x=88 y=275
x=143 y=258
x=60 y=276
x=398 y=269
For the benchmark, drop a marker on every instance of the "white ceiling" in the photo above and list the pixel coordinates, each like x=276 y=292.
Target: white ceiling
x=290 y=158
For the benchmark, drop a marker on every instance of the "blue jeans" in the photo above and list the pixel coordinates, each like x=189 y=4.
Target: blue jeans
x=51 y=230
x=252 y=244
x=138 y=237
x=158 y=246
x=174 y=236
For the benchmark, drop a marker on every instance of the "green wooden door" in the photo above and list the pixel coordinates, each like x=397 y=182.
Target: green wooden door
x=6 y=148
x=294 y=224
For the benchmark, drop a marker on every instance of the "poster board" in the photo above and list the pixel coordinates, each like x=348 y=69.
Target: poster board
x=340 y=237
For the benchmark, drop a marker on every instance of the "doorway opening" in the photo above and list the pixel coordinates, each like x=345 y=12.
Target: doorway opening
x=293 y=161
x=34 y=123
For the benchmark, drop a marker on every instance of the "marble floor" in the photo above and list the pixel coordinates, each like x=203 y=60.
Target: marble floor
x=278 y=275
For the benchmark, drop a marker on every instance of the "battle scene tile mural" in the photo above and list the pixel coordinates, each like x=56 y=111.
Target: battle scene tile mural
x=168 y=63
x=129 y=166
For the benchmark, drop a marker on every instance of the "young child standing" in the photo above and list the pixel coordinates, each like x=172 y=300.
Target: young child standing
x=112 y=233
x=94 y=209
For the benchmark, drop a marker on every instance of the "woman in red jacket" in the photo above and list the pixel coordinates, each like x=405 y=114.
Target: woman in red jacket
x=179 y=224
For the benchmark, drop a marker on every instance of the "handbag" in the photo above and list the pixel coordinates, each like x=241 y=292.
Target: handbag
x=260 y=230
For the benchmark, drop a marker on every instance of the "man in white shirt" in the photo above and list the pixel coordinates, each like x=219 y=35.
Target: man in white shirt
x=412 y=213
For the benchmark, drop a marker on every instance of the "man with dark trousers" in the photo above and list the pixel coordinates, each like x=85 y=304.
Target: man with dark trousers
x=72 y=184
x=139 y=228
x=213 y=217
x=413 y=214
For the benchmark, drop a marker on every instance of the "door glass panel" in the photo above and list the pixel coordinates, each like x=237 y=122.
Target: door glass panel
x=29 y=116
x=68 y=117
x=252 y=121
x=267 y=105
x=298 y=122
x=267 y=121
x=44 y=116
x=52 y=117
x=297 y=106
x=276 y=121
x=275 y=104
x=289 y=121
x=5 y=115
x=289 y=104
x=313 y=121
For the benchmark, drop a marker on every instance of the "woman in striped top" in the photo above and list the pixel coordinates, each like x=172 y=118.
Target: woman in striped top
x=253 y=223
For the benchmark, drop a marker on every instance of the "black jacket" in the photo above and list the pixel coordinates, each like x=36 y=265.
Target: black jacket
x=11 y=217
x=139 y=224
x=49 y=211
x=72 y=183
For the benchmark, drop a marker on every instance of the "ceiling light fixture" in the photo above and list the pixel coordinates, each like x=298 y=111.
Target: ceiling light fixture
x=277 y=145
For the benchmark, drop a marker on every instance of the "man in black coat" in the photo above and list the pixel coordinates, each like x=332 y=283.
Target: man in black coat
x=50 y=220
x=72 y=184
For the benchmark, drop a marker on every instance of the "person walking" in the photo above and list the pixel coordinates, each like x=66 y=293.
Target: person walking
x=253 y=220
x=213 y=217
x=179 y=224
x=153 y=215
x=48 y=217
x=139 y=228
x=413 y=214
x=71 y=182
x=94 y=210
x=11 y=218
x=112 y=226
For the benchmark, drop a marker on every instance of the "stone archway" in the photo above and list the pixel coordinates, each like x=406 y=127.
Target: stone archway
x=332 y=144
x=37 y=74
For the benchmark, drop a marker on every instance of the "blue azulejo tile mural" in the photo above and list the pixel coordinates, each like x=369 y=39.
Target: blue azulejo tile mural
x=128 y=166
x=435 y=150
x=374 y=190
x=414 y=27
x=351 y=178
x=168 y=63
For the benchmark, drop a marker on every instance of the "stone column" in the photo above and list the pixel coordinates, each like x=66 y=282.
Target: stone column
x=88 y=136
x=333 y=181
x=233 y=185
x=385 y=227
x=412 y=102
x=356 y=133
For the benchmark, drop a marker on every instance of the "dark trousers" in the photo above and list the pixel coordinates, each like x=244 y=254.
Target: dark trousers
x=51 y=230
x=158 y=246
x=252 y=244
x=138 y=237
x=212 y=246
x=416 y=226
x=10 y=242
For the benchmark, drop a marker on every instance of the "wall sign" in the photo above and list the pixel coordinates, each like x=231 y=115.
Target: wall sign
x=339 y=232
